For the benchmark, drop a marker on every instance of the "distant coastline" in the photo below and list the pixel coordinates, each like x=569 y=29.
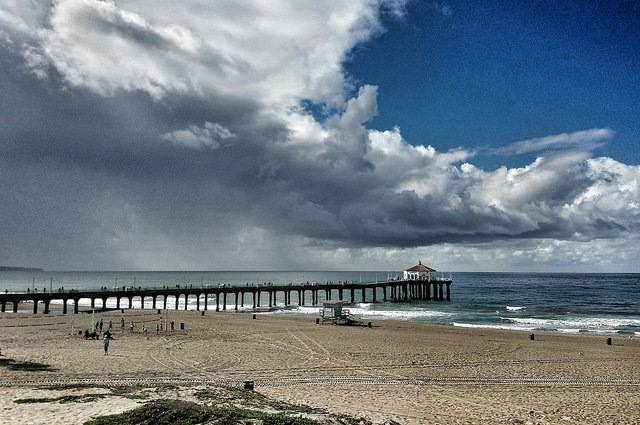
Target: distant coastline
x=20 y=269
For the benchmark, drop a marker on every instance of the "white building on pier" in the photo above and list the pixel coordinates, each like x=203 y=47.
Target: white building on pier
x=419 y=272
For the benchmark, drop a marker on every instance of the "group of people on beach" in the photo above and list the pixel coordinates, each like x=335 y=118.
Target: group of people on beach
x=159 y=326
x=96 y=333
x=144 y=328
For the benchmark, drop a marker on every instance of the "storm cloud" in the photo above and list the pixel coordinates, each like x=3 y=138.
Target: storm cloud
x=163 y=135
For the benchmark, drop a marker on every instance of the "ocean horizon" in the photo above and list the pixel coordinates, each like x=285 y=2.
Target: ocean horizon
x=573 y=303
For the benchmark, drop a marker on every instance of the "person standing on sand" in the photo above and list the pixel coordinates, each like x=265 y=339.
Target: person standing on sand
x=131 y=327
x=172 y=326
x=122 y=323
x=106 y=345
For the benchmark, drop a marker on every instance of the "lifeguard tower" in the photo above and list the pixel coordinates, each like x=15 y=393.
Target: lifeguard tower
x=333 y=312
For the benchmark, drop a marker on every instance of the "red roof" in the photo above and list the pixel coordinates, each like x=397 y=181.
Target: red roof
x=420 y=268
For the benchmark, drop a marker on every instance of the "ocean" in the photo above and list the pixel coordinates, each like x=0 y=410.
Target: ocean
x=607 y=304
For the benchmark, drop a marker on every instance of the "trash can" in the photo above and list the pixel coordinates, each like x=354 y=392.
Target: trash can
x=248 y=385
x=255 y=316
x=202 y=312
x=532 y=337
x=181 y=326
x=608 y=341
x=317 y=320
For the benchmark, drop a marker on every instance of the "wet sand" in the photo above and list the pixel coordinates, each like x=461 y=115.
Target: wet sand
x=410 y=373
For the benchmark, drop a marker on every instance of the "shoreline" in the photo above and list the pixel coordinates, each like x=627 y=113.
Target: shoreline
x=408 y=372
x=290 y=311
x=23 y=319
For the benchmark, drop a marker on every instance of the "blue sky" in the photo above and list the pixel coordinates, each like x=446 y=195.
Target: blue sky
x=486 y=74
x=288 y=135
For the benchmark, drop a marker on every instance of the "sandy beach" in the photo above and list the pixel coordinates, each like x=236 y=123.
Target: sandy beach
x=410 y=373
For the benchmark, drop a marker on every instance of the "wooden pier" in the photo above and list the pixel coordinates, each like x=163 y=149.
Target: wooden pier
x=157 y=298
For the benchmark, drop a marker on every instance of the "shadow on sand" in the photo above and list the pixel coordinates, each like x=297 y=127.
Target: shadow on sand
x=27 y=366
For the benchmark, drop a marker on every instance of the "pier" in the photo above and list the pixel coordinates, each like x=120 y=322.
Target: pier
x=257 y=295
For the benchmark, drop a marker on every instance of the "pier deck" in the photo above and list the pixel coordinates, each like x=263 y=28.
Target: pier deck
x=155 y=298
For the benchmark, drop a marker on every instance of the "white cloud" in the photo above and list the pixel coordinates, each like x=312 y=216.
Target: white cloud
x=602 y=255
x=348 y=140
x=563 y=194
x=35 y=62
x=22 y=16
x=275 y=53
x=585 y=140
x=210 y=136
x=611 y=201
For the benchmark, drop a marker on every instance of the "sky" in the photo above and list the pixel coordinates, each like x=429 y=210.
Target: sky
x=332 y=135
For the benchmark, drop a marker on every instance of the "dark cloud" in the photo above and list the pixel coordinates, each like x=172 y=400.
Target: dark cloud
x=185 y=180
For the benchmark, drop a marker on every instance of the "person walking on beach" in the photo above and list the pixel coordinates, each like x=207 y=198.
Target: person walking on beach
x=106 y=344
x=131 y=327
x=100 y=325
x=122 y=323
x=172 y=326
